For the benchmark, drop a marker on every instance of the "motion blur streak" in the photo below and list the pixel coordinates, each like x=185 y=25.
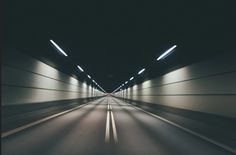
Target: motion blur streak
x=81 y=132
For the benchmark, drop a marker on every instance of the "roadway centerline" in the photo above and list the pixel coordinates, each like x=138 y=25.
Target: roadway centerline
x=114 y=128
x=110 y=116
x=107 y=132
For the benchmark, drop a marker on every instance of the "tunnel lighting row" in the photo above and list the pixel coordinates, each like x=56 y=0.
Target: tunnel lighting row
x=79 y=67
x=161 y=57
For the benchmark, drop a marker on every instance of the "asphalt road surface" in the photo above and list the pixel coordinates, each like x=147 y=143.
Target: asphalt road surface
x=106 y=126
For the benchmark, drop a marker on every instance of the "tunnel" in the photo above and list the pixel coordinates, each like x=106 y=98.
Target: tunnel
x=118 y=78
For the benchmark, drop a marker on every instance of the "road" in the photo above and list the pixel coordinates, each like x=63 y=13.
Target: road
x=106 y=126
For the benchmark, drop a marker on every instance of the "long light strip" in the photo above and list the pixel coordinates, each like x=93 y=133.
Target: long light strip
x=166 y=53
x=142 y=70
x=59 y=49
x=80 y=68
x=162 y=56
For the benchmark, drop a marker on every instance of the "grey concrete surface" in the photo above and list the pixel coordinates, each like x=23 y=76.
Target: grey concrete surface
x=205 y=86
x=26 y=80
x=82 y=132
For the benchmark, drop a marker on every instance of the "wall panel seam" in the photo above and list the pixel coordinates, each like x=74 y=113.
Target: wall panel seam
x=22 y=69
x=9 y=85
x=191 y=79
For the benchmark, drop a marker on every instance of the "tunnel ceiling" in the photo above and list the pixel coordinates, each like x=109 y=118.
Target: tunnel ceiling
x=113 y=40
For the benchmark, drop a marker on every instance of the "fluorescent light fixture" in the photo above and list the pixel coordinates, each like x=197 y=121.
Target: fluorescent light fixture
x=80 y=68
x=93 y=81
x=131 y=78
x=126 y=82
x=89 y=76
x=142 y=70
x=166 y=53
x=58 y=48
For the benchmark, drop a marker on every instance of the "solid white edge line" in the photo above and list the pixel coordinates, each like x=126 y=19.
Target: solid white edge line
x=13 y=131
x=107 y=132
x=188 y=130
x=114 y=128
x=110 y=107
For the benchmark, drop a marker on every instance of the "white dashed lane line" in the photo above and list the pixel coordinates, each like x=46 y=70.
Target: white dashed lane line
x=107 y=132
x=110 y=116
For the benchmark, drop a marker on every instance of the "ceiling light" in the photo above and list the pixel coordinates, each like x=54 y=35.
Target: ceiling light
x=166 y=53
x=89 y=76
x=58 y=48
x=126 y=82
x=80 y=68
x=131 y=78
x=142 y=70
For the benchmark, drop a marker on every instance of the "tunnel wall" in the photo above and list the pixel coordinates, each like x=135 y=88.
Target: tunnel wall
x=208 y=86
x=28 y=80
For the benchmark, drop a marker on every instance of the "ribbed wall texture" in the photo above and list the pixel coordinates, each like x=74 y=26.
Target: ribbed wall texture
x=27 y=80
x=208 y=86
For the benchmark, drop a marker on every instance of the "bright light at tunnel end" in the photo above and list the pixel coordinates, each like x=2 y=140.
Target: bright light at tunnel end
x=166 y=53
x=141 y=71
x=58 y=48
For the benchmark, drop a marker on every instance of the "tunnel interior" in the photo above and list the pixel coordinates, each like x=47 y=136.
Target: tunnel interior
x=122 y=78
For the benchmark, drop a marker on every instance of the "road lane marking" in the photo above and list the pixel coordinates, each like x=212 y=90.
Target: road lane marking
x=13 y=131
x=114 y=128
x=107 y=132
x=232 y=150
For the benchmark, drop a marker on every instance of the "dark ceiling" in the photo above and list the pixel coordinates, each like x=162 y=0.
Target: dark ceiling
x=113 y=40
